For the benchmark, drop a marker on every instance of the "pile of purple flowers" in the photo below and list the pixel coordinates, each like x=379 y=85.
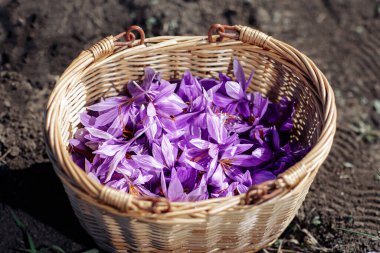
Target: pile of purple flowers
x=187 y=140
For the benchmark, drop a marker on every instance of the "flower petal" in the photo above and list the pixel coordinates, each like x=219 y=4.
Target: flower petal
x=199 y=193
x=242 y=188
x=189 y=88
x=99 y=133
x=199 y=143
x=167 y=91
x=142 y=179
x=194 y=165
x=86 y=119
x=169 y=125
x=163 y=184
x=114 y=163
x=239 y=73
x=188 y=177
x=150 y=110
x=167 y=107
x=183 y=120
x=149 y=75
x=109 y=103
x=262 y=176
x=259 y=156
x=234 y=90
x=175 y=189
x=147 y=162
x=87 y=166
x=260 y=105
x=213 y=165
x=231 y=151
x=218 y=178
x=157 y=153
x=221 y=100
x=208 y=83
x=108 y=150
x=167 y=151
x=262 y=153
x=216 y=129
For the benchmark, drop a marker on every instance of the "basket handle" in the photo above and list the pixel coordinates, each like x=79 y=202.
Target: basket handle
x=270 y=189
x=238 y=32
x=130 y=37
x=106 y=46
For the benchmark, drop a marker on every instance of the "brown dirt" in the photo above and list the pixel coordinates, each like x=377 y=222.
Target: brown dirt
x=39 y=40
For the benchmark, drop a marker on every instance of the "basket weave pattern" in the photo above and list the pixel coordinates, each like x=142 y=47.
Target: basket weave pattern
x=122 y=222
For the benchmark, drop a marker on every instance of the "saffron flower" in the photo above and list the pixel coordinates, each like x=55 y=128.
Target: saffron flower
x=188 y=140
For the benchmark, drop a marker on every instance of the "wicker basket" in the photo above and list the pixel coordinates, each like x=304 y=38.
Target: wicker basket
x=121 y=222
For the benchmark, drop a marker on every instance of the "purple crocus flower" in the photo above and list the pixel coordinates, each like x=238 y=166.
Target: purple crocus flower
x=163 y=156
x=108 y=110
x=232 y=95
x=177 y=192
x=189 y=88
x=110 y=148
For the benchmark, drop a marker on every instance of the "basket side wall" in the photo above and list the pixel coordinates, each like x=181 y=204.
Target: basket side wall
x=248 y=229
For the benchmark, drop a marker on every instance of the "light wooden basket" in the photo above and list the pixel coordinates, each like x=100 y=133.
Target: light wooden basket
x=122 y=222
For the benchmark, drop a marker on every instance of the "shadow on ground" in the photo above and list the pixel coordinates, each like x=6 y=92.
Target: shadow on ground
x=38 y=192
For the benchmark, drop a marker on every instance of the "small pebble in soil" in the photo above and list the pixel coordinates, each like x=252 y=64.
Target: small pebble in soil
x=7 y=103
x=15 y=151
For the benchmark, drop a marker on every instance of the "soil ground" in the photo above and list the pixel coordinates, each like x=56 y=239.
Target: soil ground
x=38 y=39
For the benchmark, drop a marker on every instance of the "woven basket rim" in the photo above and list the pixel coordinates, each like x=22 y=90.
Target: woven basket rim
x=324 y=140
x=169 y=216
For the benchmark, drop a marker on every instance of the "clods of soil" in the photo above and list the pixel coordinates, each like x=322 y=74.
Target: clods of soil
x=38 y=40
